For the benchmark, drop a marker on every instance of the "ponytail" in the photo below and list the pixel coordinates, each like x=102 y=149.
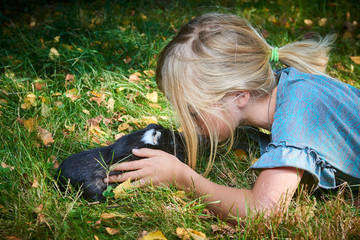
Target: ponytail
x=309 y=56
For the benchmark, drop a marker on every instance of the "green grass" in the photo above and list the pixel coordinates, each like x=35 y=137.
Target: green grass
x=93 y=39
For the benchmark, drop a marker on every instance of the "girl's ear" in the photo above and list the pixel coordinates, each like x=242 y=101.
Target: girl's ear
x=242 y=98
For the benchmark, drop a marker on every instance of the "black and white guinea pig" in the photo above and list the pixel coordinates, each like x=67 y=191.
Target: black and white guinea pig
x=88 y=169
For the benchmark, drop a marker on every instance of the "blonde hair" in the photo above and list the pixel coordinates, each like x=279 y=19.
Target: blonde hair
x=216 y=54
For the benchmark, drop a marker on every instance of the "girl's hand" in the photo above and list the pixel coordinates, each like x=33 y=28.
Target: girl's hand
x=157 y=167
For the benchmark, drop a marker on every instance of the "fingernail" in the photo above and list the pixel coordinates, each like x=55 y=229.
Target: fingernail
x=106 y=180
x=135 y=150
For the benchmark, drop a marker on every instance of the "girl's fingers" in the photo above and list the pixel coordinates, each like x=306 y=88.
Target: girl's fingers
x=128 y=166
x=133 y=175
x=147 y=152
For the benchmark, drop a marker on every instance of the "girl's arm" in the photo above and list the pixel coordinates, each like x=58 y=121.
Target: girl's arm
x=272 y=191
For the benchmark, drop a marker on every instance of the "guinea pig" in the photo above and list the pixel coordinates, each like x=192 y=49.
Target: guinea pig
x=86 y=170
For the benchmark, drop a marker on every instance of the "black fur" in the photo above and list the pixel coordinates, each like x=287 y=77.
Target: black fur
x=88 y=169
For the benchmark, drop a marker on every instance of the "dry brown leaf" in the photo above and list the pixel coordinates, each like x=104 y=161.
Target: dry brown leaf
x=73 y=94
x=56 y=94
x=112 y=231
x=45 y=136
x=70 y=78
x=152 y=97
x=355 y=59
x=120 y=189
x=135 y=77
x=86 y=111
x=12 y=238
x=96 y=130
x=4 y=165
x=30 y=100
x=127 y=59
x=119 y=135
x=154 y=236
x=106 y=216
x=35 y=183
x=96 y=237
x=95 y=120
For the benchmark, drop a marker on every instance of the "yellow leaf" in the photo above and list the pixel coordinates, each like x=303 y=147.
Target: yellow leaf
x=30 y=99
x=189 y=233
x=356 y=59
x=120 y=189
x=70 y=128
x=154 y=236
x=25 y=106
x=152 y=97
x=123 y=127
x=57 y=39
x=56 y=94
x=150 y=120
x=112 y=231
x=96 y=237
x=35 y=183
x=86 y=111
x=30 y=124
x=322 y=22
x=45 y=136
x=241 y=154
x=53 y=53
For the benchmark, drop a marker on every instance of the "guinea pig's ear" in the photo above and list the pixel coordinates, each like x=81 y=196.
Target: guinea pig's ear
x=157 y=137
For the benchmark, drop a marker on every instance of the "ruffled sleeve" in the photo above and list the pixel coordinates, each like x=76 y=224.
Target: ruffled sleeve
x=282 y=154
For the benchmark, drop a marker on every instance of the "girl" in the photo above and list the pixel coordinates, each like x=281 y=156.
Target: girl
x=217 y=74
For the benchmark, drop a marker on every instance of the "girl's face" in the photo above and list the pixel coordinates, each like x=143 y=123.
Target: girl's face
x=223 y=118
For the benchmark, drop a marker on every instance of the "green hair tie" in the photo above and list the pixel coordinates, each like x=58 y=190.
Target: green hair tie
x=274 y=55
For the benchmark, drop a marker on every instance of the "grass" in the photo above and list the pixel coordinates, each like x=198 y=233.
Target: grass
x=101 y=44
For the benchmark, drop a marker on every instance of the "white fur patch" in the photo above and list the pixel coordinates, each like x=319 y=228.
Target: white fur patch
x=151 y=137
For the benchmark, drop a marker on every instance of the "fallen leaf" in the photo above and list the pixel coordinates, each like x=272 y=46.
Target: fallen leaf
x=73 y=94
x=154 y=236
x=106 y=216
x=11 y=238
x=110 y=104
x=120 y=189
x=322 y=22
x=189 y=233
x=45 y=136
x=123 y=127
x=135 y=77
x=4 y=165
x=57 y=39
x=69 y=78
x=70 y=128
x=150 y=120
x=35 y=183
x=308 y=22
x=56 y=94
x=96 y=237
x=112 y=231
x=86 y=111
x=119 y=135
x=241 y=154
x=127 y=59
x=152 y=97
x=53 y=53
x=45 y=110
x=356 y=59
x=30 y=124
x=30 y=100
x=149 y=73
x=164 y=117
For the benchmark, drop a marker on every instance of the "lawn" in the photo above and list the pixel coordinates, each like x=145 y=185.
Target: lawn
x=77 y=75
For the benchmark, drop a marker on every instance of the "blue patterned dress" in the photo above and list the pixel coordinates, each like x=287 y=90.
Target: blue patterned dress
x=316 y=128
